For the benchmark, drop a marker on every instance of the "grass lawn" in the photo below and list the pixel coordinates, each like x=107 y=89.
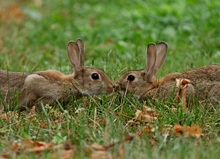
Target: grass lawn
x=34 y=35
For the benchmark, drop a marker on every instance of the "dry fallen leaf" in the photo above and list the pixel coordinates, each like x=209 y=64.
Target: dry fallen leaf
x=32 y=113
x=150 y=111
x=101 y=155
x=15 y=146
x=38 y=146
x=9 y=116
x=146 y=115
x=167 y=130
x=186 y=131
x=146 y=129
x=97 y=146
x=194 y=130
x=62 y=154
x=121 y=153
x=173 y=108
x=181 y=96
x=100 y=151
x=12 y=13
x=178 y=129
x=5 y=156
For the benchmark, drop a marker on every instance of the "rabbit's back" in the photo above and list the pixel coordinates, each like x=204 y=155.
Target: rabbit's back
x=204 y=73
x=48 y=86
x=10 y=81
x=203 y=92
x=208 y=92
x=10 y=85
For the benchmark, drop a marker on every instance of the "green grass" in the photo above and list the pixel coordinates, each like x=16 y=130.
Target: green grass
x=116 y=34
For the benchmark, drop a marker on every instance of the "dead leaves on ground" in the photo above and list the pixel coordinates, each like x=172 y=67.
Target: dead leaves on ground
x=187 y=131
x=22 y=118
x=12 y=13
x=184 y=90
x=64 y=150
x=145 y=122
x=25 y=147
x=100 y=151
x=146 y=115
x=145 y=119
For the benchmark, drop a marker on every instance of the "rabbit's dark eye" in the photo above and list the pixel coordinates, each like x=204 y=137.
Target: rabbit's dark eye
x=130 y=78
x=95 y=76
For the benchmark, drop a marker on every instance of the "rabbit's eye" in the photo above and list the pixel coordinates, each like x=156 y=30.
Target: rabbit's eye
x=130 y=78
x=95 y=76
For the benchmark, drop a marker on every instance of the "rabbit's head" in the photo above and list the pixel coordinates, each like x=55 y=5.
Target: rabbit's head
x=88 y=81
x=142 y=81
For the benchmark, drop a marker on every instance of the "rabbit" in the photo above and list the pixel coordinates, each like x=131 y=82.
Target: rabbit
x=50 y=86
x=144 y=84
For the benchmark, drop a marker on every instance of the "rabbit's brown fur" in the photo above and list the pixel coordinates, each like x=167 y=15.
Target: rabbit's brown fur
x=204 y=73
x=143 y=83
x=10 y=82
x=50 y=86
x=205 y=92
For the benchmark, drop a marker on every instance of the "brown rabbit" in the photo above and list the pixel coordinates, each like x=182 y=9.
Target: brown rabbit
x=50 y=86
x=143 y=83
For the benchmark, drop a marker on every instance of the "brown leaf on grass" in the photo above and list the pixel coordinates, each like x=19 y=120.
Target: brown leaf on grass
x=12 y=13
x=146 y=115
x=194 y=130
x=62 y=154
x=97 y=122
x=14 y=116
x=39 y=143
x=181 y=96
x=146 y=129
x=101 y=155
x=97 y=146
x=33 y=146
x=173 y=108
x=121 y=153
x=5 y=156
x=186 y=131
x=178 y=129
x=105 y=147
x=150 y=111
x=9 y=116
x=63 y=151
x=15 y=146
x=43 y=147
x=167 y=130
x=32 y=113
x=38 y=146
x=100 y=151
x=67 y=154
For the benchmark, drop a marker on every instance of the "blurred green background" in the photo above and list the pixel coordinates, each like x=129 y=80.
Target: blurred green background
x=34 y=33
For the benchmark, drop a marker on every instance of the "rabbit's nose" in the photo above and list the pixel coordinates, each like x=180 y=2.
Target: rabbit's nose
x=116 y=87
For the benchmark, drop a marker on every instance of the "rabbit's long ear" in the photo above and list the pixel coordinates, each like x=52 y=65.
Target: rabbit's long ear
x=74 y=55
x=150 y=61
x=158 y=53
x=161 y=54
x=82 y=50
